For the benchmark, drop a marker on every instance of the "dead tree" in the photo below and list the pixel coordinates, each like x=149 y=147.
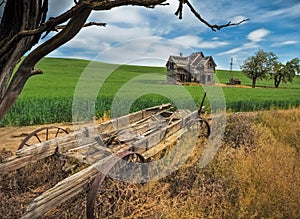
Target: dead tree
x=24 y=22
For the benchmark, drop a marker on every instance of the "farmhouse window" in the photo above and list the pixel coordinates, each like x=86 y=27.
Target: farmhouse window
x=182 y=77
x=203 y=79
x=172 y=65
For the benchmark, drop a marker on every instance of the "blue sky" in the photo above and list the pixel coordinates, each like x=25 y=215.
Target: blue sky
x=136 y=35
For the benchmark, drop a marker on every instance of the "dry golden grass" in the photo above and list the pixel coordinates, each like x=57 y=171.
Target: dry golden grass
x=284 y=125
x=268 y=180
x=106 y=117
x=265 y=178
x=256 y=174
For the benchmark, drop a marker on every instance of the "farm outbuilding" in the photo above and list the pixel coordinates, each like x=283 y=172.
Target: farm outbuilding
x=193 y=68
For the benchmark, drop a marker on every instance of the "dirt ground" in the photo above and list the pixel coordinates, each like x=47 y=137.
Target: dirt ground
x=11 y=137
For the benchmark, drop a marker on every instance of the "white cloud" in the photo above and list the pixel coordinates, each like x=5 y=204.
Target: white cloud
x=92 y=38
x=284 y=12
x=249 y=45
x=127 y=15
x=285 y=43
x=143 y=51
x=92 y=41
x=153 y=50
x=254 y=37
x=212 y=45
x=238 y=19
x=258 y=35
x=198 y=43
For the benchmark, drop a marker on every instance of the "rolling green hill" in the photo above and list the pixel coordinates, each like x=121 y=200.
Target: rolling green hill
x=48 y=98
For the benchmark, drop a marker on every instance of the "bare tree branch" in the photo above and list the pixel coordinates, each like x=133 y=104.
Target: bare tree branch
x=214 y=27
x=107 y=5
x=45 y=27
x=100 y=24
x=72 y=28
x=162 y=4
x=180 y=9
x=60 y=27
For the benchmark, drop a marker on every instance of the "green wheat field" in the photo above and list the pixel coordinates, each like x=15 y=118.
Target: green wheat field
x=48 y=98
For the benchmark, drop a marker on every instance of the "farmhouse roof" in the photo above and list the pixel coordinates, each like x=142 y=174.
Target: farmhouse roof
x=179 y=60
x=195 y=59
x=206 y=59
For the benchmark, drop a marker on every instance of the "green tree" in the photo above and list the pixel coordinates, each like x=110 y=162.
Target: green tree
x=285 y=72
x=259 y=66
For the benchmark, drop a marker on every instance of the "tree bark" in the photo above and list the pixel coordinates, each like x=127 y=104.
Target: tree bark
x=253 y=82
x=276 y=83
x=26 y=69
x=18 y=16
x=277 y=80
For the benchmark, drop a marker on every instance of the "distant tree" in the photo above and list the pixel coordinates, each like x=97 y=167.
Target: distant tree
x=259 y=66
x=285 y=72
x=24 y=22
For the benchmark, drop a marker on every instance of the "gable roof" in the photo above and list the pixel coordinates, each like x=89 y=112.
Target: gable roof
x=206 y=59
x=195 y=59
x=179 y=60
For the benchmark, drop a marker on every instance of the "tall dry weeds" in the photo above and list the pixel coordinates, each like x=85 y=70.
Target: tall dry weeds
x=254 y=175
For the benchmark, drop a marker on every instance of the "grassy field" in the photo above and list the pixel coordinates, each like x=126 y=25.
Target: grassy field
x=48 y=98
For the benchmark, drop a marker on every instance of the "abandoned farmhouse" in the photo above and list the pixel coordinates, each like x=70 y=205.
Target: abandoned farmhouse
x=193 y=68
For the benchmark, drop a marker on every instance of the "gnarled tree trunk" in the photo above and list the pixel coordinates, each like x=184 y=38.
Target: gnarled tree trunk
x=26 y=17
x=18 y=17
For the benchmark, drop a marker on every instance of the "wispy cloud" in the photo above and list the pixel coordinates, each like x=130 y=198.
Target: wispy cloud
x=284 y=12
x=238 y=19
x=199 y=43
x=254 y=37
x=125 y=15
x=136 y=51
x=258 y=35
x=91 y=38
x=245 y=46
x=285 y=43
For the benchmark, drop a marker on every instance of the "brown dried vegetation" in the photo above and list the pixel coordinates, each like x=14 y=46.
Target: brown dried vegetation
x=20 y=187
x=254 y=175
